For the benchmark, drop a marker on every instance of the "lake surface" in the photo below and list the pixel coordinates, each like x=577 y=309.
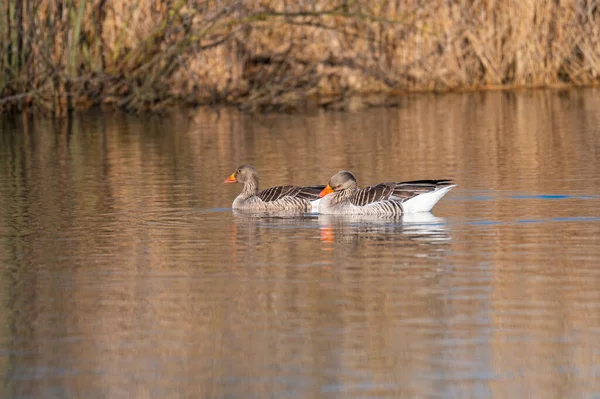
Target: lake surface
x=125 y=273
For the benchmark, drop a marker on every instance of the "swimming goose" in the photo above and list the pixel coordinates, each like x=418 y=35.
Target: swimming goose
x=280 y=198
x=342 y=196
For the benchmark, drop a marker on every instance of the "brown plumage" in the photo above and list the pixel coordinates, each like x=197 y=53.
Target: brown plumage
x=275 y=193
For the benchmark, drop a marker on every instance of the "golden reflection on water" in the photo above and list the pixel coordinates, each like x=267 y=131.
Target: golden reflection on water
x=124 y=274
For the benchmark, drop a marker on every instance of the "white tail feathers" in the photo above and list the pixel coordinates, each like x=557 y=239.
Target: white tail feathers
x=424 y=202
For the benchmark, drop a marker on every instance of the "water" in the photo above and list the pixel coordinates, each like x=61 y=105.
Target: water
x=124 y=272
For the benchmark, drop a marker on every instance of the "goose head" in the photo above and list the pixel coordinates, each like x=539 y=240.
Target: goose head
x=244 y=174
x=342 y=180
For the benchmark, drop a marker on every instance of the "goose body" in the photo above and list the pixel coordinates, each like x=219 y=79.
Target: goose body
x=343 y=197
x=274 y=199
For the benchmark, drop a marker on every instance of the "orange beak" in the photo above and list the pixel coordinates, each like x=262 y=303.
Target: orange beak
x=326 y=190
x=230 y=179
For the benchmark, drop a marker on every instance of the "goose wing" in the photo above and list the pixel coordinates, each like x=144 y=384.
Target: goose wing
x=279 y=192
x=371 y=194
x=396 y=191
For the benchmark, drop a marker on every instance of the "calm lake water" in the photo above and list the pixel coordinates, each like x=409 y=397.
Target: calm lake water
x=125 y=273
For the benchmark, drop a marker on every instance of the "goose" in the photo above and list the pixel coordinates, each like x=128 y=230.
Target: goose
x=342 y=196
x=279 y=198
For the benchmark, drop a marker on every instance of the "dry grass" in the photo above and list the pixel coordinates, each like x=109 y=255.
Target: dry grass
x=261 y=54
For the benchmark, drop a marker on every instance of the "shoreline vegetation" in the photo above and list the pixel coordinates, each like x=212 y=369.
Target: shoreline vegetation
x=261 y=55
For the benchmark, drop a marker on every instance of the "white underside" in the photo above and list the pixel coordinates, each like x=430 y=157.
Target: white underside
x=424 y=202
x=315 y=205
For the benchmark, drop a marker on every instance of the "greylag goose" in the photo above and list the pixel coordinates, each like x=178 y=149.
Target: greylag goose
x=342 y=196
x=280 y=198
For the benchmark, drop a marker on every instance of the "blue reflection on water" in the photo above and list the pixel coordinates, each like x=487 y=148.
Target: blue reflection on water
x=552 y=196
x=521 y=196
x=548 y=220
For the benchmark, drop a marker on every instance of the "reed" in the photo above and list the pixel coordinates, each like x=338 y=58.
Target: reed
x=142 y=55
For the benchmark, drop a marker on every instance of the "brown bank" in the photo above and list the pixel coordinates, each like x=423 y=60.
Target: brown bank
x=145 y=55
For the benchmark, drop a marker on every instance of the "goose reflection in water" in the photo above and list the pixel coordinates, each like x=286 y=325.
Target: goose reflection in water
x=408 y=230
x=274 y=236
x=419 y=234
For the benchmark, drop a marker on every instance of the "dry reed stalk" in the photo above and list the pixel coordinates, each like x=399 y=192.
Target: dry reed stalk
x=262 y=54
